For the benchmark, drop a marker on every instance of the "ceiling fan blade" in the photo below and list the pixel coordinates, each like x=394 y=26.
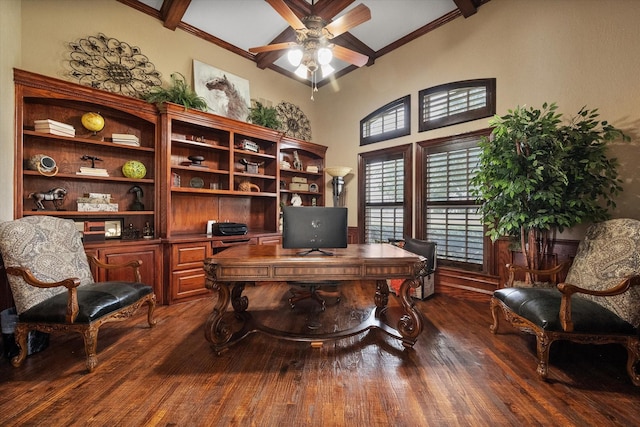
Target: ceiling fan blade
x=350 y=56
x=354 y=17
x=272 y=47
x=281 y=7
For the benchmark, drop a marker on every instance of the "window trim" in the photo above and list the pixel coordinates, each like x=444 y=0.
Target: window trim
x=406 y=130
x=487 y=111
x=421 y=156
x=406 y=151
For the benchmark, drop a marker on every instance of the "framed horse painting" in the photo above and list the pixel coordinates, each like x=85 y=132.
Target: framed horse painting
x=226 y=95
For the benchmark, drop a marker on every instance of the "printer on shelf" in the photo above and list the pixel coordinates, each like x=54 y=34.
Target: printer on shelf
x=226 y=228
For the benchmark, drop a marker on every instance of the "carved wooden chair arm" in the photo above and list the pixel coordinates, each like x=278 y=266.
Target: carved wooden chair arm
x=568 y=289
x=552 y=272
x=135 y=265
x=71 y=284
x=27 y=276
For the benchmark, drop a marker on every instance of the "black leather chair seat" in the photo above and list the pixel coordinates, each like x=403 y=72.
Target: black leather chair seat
x=541 y=307
x=95 y=300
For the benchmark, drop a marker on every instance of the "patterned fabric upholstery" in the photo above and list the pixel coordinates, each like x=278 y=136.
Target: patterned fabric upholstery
x=51 y=248
x=609 y=252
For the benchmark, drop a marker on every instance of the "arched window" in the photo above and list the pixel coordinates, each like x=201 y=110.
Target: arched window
x=454 y=103
x=390 y=121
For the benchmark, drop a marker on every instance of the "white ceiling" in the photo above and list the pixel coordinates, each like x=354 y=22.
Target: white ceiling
x=252 y=23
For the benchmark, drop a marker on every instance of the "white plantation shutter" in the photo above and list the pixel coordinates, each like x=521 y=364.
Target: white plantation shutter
x=384 y=197
x=457 y=102
x=390 y=121
x=451 y=217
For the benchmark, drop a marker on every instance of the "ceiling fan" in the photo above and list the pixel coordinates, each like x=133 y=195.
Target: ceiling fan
x=312 y=49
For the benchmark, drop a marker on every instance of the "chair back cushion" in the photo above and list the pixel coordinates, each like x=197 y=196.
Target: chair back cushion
x=424 y=248
x=609 y=252
x=51 y=248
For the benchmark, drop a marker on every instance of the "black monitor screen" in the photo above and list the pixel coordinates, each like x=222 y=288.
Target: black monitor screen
x=314 y=228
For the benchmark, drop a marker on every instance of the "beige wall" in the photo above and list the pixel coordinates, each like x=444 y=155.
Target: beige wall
x=10 y=50
x=572 y=52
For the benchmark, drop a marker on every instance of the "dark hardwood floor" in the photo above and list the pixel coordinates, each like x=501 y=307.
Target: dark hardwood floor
x=457 y=374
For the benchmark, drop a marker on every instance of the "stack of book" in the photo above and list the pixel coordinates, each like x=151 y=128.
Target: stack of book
x=96 y=204
x=92 y=171
x=125 y=139
x=54 y=128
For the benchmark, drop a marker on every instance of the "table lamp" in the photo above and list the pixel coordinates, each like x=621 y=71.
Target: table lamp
x=338 y=173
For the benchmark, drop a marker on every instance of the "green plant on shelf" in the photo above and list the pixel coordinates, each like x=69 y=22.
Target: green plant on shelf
x=264 y=116
x=178 y=92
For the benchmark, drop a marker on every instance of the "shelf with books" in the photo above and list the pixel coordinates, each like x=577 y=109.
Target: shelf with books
x=79 y=161
x=216 y=169
x=302 y=172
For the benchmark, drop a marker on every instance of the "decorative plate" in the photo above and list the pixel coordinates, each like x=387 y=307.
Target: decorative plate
x=196 y=182
x=293 y=121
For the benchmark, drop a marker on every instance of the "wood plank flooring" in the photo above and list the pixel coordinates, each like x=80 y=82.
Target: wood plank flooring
x=457 y=374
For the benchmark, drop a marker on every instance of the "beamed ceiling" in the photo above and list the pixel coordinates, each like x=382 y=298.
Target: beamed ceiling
x=238 y=25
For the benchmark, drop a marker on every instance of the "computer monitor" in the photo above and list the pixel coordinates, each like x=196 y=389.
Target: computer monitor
x=314 y=228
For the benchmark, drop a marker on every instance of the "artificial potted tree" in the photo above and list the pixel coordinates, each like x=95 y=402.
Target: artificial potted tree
x=538 y=174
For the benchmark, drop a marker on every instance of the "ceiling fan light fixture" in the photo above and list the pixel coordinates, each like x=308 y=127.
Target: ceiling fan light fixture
x=301 y=71
x=295 y=56
x=327 y=69
x=324 y=56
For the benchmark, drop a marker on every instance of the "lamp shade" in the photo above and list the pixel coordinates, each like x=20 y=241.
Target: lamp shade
x=295 y=56
x=324 y=55
x=338 y=170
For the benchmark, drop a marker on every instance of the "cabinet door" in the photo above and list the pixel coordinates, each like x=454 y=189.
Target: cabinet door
x=188 y=284
x=187 y=278
x=150 y=270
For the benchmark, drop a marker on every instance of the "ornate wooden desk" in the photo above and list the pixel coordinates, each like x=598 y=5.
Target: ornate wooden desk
x=228 y=272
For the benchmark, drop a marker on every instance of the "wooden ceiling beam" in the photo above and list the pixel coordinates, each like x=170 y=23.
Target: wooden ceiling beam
x=172 y=12
x=467 y=7
x=328 y=9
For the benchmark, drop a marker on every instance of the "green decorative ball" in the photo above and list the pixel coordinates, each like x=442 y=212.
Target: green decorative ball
x=134 y=169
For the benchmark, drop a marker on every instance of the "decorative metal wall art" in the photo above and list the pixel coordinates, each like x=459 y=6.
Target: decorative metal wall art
x=106 y=63
x=293 y=122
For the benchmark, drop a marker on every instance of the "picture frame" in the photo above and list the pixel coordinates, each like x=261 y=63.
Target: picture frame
x=112 y=227
x=226 y=94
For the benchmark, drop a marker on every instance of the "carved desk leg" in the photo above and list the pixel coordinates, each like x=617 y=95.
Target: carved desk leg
x=216 y=330
x=410 y=324
x=238 y=301
x=382 y=294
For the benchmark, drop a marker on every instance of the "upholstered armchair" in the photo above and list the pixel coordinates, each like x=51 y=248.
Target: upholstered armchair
x=599 y=302
x=53 y=288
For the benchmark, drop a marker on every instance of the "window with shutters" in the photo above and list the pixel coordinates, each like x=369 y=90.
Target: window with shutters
x=390 y=121
x=448 y=213
x=384 y=178
x=457 y=102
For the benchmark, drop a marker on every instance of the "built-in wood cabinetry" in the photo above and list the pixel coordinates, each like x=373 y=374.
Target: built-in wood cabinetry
x=309 y=155
x=231 y=183
x=122 y=251
x=199 y=167
x=40 y=98
x=219 y=169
